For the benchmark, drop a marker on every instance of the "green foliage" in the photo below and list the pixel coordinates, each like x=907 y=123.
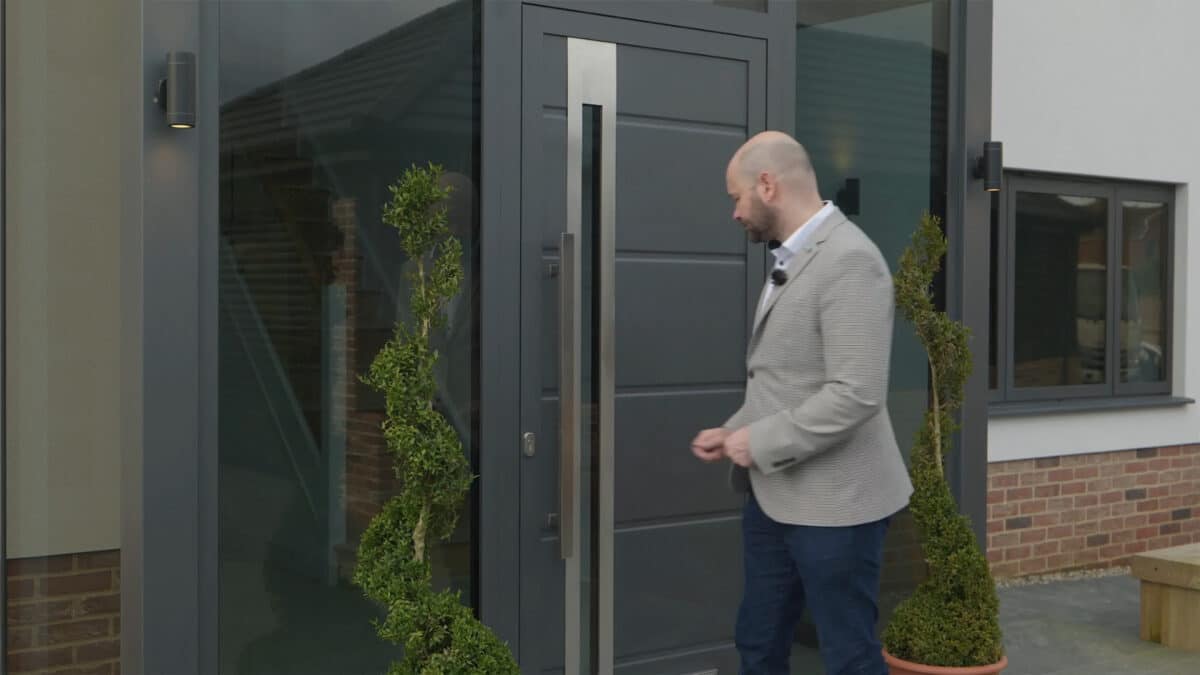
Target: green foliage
x=952 y=619
x=439 y=635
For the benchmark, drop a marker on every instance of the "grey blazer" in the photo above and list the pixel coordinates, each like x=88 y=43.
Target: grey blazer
x=816 y=389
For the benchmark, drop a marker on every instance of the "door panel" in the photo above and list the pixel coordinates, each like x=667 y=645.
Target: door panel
x=684 y=283
x=665 y=338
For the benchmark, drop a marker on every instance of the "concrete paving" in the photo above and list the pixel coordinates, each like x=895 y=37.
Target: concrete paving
x=1083 y=626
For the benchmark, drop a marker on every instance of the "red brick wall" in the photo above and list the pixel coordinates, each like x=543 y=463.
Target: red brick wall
x=64 y=614
x=1080 y=511
x=369 y=477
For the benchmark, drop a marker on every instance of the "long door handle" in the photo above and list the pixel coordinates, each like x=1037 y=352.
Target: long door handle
x=569 y=292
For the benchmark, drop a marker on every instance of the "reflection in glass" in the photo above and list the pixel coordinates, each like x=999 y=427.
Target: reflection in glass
x=994 y=295
x=1060 y=282
x=871 y=110
x=315 y=124
x=1143 y=291
x=589 y=351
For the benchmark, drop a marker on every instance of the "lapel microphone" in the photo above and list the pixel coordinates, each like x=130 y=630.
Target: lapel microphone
x=778 y=276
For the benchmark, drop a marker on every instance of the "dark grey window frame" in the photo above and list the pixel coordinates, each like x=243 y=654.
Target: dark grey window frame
x=1006 y=397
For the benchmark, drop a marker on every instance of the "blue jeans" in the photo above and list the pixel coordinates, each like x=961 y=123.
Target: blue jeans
x=832 y=570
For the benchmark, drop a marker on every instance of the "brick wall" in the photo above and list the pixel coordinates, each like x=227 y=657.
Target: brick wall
x=370 y=477
x=64 y=614
x=1095 y=510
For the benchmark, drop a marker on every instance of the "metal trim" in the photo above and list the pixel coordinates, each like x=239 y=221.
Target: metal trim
x=208 y=112
x=570 y=288
x=3 y=348
x=168 y=322
x=500 y=270
x=592 y=80
x=1076 y=405
x=677 y=14
x=968 y=217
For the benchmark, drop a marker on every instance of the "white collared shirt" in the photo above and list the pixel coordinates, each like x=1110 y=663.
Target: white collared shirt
x=789 y=248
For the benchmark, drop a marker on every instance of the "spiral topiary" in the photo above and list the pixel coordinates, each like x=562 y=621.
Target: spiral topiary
x=952 y=619
x=438 y=634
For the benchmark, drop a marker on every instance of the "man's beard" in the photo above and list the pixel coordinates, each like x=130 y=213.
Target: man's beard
x=761 y=223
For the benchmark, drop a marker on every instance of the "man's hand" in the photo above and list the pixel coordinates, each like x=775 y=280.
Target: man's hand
x=737 y=448
x=709 y=445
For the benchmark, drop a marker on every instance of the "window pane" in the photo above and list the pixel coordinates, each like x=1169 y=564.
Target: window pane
x=1060 y=281
x=62 y=264
x=315 y=125
x=871 y=83
x=994 y=297
x=1144 y=291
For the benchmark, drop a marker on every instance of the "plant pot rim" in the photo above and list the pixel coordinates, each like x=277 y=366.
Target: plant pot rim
x=947 y=670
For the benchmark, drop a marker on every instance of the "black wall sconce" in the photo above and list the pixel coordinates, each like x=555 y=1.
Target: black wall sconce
x=847 y=198
x=990 y=167
x=176 y=95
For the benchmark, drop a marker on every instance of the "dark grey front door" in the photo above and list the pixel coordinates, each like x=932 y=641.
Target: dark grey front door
x=639 y=315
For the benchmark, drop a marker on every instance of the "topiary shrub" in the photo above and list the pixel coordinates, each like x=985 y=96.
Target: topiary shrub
x=438 y=634
x=952 y=619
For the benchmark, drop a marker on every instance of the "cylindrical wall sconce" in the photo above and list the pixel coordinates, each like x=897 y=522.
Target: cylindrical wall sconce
x=176 y=94
x=990 y=167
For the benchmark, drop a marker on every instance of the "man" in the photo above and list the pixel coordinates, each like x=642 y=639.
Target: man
x=812 y=445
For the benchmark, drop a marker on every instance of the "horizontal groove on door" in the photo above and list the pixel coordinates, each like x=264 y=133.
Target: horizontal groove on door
x=550 y=392
x=690 y=389
x=690 y=519
x=691 y=650
x=634 y=256
x=679 y=123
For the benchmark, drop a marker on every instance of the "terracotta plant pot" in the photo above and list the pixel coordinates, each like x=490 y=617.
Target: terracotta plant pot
x=901 y=667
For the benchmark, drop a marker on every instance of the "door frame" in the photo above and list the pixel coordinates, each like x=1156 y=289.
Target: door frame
x=539 y=21
x=501 y=271
x=968 y=215
x=168 y=291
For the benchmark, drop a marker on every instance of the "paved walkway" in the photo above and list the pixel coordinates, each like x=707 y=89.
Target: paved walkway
x=1083 y=627
x=1086 y=626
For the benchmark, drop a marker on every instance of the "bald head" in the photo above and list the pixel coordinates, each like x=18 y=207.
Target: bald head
x=777 y=154
x=774 y=187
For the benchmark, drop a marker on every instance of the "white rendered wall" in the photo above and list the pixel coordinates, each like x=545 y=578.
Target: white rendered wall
x=1106 y=88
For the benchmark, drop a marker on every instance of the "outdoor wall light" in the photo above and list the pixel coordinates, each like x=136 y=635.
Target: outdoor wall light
x=176 y=94
x=847 y=198
x=990 y=167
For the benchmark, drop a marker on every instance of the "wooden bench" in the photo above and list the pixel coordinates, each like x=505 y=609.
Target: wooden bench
x=1170 y=595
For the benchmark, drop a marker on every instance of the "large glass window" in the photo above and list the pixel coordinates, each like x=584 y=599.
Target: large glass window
x=323 y=105
x=1081 y=289
x=871 y=108
x=62 y=221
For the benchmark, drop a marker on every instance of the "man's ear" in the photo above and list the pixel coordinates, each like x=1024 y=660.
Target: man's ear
x=766 y=184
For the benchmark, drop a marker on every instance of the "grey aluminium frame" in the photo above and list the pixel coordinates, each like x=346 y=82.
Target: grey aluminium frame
x=166 y=174
x=1166 y=196
x=592 y=81
x=3 y=347
x=500 y=271
x=1014 y=186
x=164 y=381
x=968 y=214
x=1110 y=393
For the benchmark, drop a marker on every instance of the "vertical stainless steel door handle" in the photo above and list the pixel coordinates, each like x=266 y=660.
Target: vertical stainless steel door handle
x=569 y=339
